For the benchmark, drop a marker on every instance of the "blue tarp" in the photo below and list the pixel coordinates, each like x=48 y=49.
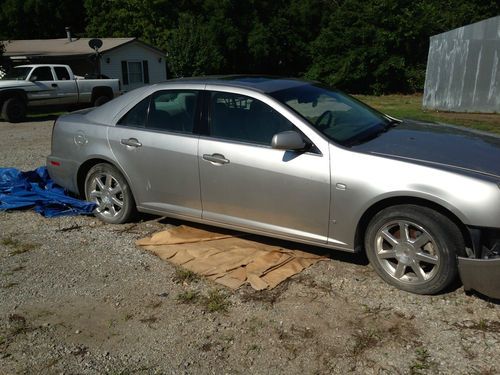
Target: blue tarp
x=35 y=189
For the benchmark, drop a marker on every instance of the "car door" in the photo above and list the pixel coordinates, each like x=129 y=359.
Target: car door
x=246 y=183
x=66 y=89
x=155 y=146
x=44 y=91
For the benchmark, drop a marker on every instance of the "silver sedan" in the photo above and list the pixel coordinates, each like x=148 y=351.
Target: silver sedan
x=299 y=161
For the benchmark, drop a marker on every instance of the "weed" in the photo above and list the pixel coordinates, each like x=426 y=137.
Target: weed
x=364 y=340
x=216 y=301
x=189 y=296
x=422 y=361
x=18 y=324
x=206 y=347
x=254 y=348
x=128 y=316
x=183 y=275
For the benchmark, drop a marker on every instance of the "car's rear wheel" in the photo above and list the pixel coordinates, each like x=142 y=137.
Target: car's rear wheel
x=14 y=109
x=108 y=189
x=414 y=248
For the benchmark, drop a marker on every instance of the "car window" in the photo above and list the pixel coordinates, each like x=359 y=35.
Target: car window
x=42 y=73
x=241 y=118
x=173 y=110
x=62 y=73
x=137 y=116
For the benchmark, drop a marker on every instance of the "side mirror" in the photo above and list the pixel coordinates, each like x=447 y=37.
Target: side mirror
x=288 y=140
x=33 y=78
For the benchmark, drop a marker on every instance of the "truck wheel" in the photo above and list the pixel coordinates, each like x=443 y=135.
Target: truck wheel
x=14 y=110
x=101 y=100
x=414 y=248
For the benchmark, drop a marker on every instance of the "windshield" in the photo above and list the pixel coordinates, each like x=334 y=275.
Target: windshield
x=340 y=117
x=19 y=73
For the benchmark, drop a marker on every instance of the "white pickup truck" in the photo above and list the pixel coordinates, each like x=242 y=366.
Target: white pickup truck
x=50 y=85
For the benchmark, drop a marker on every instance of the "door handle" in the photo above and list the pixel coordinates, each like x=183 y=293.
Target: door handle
x=216 y=158
x=54 y=85
x=133 y=142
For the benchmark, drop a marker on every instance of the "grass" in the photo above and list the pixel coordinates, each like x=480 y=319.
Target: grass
x=422 y=362
x=185 y=276
x=216 y=301
x=410 y=106
x=189 y=296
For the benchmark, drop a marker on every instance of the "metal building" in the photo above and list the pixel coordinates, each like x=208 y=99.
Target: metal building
x=463 y=70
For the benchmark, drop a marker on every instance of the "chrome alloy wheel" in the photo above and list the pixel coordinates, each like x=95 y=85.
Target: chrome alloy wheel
x=106 y=192
x=407 y=252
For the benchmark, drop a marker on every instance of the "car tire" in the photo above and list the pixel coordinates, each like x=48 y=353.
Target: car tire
x=101 y=100
x=106 y=186
x=14 y=110
x=414 y=248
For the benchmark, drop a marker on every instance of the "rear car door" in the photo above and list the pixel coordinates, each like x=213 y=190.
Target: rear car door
x=246 y=183
x=155 y=146
x=67 y=92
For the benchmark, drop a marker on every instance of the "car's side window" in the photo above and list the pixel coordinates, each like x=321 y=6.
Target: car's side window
x=137 y=116
x=173 y=110
x=62 y=73
x=42 y=73
x=245 y=119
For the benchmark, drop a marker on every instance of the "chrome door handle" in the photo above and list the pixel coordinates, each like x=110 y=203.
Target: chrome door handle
x=216 y=158
x=133 y=142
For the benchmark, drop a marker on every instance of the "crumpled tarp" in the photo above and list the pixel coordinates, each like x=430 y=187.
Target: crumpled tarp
x=35 y=189
x=228 y=260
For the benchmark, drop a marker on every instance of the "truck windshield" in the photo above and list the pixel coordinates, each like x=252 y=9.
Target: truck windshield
x=19 y=73
x=340 y=117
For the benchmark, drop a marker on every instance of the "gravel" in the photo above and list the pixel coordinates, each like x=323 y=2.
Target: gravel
x=78 y=297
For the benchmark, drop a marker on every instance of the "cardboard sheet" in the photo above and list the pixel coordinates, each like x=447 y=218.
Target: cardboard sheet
x=228 y=260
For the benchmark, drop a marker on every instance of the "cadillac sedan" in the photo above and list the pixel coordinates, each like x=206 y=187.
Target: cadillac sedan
x=299 y=161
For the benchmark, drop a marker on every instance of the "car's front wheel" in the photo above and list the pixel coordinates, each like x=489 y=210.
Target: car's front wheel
x=108 y=189
x=414 y=248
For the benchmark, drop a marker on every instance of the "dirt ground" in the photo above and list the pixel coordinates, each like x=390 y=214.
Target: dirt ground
x=78 y=297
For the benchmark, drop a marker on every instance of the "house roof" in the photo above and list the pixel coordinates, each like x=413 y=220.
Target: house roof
x=63 y=47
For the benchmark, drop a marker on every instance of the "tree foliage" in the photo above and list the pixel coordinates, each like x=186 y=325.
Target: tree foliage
x=363 y=46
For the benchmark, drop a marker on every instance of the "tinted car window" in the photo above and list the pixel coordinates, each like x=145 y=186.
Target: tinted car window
x=61 y=73
x=173 y=110
x=137 y=116
x=42 y=74
x=241 y=118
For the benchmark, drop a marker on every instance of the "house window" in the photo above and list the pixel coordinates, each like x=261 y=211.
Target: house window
x=135 y=72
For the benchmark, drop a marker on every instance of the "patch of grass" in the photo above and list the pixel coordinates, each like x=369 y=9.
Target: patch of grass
x=128 y=316
x=189 y=296
x=423 y=361
x=410 y=106
x=18 y=247
x=216 y=301
x=183 y=275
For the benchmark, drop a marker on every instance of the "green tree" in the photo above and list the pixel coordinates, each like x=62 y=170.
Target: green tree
x=40 y=19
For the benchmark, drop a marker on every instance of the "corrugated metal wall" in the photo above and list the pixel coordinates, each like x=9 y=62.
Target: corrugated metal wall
x=463 y=69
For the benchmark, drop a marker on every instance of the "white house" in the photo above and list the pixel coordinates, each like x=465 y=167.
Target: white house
x=133 y=62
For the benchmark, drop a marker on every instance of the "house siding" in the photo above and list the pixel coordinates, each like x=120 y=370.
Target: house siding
x=134 y=52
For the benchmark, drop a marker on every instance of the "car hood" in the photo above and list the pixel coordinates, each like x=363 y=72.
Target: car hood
x=7 y=84
x=438 y=144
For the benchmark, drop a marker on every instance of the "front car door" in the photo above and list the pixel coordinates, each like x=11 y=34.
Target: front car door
x=155 y=145
x=247 y=184
x=44 y=91
x=67 y=92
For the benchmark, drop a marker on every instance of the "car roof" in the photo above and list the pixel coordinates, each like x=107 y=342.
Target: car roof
x=264 y=84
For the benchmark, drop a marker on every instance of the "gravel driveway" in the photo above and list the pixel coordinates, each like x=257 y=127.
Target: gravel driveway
x=78 y=297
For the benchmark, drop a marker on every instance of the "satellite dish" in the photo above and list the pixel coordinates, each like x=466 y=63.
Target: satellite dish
x=95 y=44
